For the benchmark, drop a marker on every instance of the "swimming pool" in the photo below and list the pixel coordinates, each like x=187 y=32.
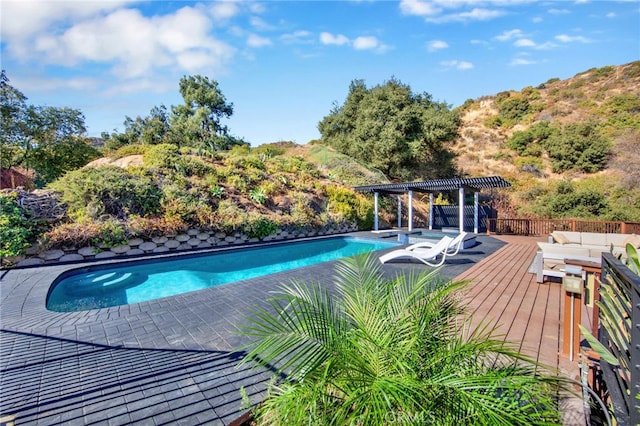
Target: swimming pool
x=138 y=281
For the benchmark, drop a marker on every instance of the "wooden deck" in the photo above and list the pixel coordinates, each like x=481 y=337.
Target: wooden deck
x=503 y=293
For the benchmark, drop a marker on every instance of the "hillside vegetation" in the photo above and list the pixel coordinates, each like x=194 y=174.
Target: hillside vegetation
x=571 y=148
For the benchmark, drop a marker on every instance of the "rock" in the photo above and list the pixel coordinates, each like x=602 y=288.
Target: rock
x=134 y=252
x=148 y=246
x=121 y=249
x=32 y=261
x=51 y=254
x=203 y=236
x=135 y=242
x=162 y=249
x=192 y=232
x=159 y=240
x=172 y=244
x=183 y=237
x=105 y=255
x=184 y=246
x=71 y=257
x=87 y=251
x=193 y=242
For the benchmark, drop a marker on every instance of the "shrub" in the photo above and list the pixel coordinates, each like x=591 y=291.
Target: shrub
x=109 y=190
x=163 y=155
x=216 y=191
x=258 y=196
x=149 y=227
x=15 y=228
x=127 y=150
x=578 y=146
x=231 y=217
x=260 y=227
x=238 y=182
x=108 y=233
x=350 y=205
x=188 y=166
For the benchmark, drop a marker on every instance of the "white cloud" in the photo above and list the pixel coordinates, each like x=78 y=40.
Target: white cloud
x=366 y=43
x=611 y=15
x=224 y=9
x=300 y=36
x=524 y=42
x=133 y=44
x=537 y=20
x=460 y=65
x=328 y=38
x=509 y=35
x=564 y=38
x=260 y=24
x=25 y=18
x=256 y=41
x=419 y=8
x=435 y=45
x=558 y=11
x=521 y=61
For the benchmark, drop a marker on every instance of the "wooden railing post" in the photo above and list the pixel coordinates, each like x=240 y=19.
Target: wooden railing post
x=623 y=227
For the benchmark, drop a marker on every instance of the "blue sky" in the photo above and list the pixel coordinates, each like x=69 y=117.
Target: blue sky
x=283 y=64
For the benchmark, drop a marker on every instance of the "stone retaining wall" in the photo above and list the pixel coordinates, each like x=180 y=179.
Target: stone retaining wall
x=190 y=240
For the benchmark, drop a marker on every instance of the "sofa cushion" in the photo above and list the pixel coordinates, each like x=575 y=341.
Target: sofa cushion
x=632 y=239
x=593 y=239
x=566 y=237
x=617 y=240
x=562 y=252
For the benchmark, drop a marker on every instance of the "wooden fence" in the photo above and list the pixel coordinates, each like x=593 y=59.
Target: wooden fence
x=541 y=227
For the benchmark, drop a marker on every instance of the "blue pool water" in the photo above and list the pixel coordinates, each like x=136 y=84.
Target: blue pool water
x=112 y=285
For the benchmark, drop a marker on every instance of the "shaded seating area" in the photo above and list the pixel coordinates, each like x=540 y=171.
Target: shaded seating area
x=462 y=185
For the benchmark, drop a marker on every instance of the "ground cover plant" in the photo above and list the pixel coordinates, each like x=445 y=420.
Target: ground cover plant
x=383 y=351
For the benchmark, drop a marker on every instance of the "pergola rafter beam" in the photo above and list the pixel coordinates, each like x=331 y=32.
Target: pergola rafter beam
x=461 y=185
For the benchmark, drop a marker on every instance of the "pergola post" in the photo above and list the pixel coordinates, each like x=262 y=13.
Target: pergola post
x=399 y=211
x=410 y=225
x=476 y=213
x=431 y=211
x=375 y=208
x=461 y=207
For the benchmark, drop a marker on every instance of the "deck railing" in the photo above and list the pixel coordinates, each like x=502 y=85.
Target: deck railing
x=622 y=338
x=541 y=227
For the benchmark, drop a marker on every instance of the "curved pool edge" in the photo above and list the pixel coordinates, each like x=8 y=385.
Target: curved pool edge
x=24 y=290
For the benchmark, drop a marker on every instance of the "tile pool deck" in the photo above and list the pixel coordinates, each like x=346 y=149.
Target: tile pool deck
x=168 y=361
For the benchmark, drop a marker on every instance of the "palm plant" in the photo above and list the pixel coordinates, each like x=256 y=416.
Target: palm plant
x=377 y=351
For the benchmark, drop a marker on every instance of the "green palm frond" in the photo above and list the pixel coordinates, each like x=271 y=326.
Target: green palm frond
x=398 y=350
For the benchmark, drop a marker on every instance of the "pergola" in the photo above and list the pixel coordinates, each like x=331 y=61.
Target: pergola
x=434 y=186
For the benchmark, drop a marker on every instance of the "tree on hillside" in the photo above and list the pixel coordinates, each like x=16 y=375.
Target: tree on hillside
x=49 y=140
x=198 y=121
x=151 y=130
x=394 y=130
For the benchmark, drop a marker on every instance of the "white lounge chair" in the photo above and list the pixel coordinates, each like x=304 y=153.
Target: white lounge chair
x=424 y=255
x=454 y=248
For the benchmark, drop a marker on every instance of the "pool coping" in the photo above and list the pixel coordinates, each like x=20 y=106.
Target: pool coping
x=201 y=324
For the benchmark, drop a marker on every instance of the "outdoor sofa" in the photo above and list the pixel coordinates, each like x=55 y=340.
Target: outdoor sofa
x=582 y=246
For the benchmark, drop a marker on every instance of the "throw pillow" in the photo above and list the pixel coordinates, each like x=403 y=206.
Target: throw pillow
x=560 y=237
